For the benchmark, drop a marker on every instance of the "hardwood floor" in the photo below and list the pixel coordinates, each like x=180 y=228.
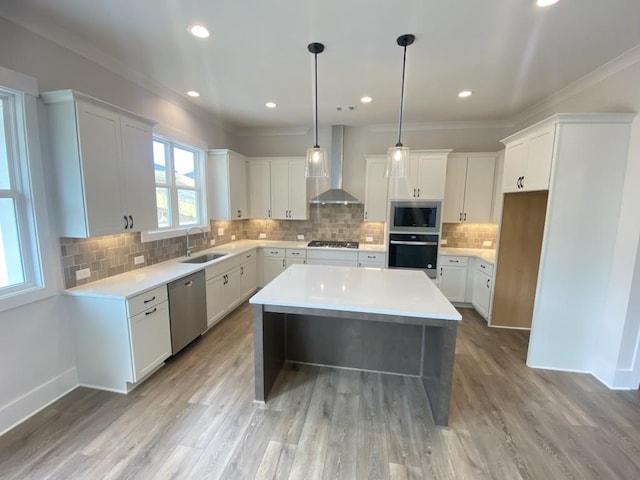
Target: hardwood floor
x=195 y=418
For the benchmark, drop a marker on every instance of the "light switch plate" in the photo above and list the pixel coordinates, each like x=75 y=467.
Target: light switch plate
x=368 y=239
x=263 y=235
x=220 y=231
x=82 y=274
x=486 y=243
x=300 y=237
x=443 y=241
x=233 y=237
x=212 y=242
x=138 y=260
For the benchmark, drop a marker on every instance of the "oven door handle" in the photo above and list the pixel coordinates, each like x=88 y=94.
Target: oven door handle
x=396 y=242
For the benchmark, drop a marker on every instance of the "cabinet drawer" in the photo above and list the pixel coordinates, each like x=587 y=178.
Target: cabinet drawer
x=454 y=261
x=224 y=266
x=485 y=267
x=249 y=256
x=333 y=255
x=372 y=257
x=150 y=339
x=147 y=300
x=296 y=253
x=273 y=252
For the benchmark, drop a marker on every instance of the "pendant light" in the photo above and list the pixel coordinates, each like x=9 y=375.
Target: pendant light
x=398 y=156
x=316 y=156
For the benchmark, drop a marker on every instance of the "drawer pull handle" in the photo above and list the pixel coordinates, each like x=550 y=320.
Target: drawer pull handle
x=488 y=280
x=371 y=256
x=482 y=266
x=189 y=283
x=454 y=261
x=152 y=311
x=150 y=300
x=295 y=253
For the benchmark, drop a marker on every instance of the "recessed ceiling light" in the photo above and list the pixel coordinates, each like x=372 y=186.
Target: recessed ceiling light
x=193 y=93
x=366 y=99
x=546 y=3
x=270 y=105
x=199 y=31
x=465 y=93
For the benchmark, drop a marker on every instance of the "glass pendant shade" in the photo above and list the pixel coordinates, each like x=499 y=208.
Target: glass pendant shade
x=316 y=163
x=397 y=162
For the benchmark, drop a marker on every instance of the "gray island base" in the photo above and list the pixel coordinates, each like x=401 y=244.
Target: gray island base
x=388 y=321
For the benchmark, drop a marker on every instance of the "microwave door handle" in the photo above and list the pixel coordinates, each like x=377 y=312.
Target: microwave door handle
x=396 y=242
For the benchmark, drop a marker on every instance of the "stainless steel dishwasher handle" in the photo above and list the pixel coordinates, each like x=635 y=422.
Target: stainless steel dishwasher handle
x=396 y=242
x=189 y=283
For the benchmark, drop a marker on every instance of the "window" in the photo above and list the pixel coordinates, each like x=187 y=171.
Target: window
x=179 y=185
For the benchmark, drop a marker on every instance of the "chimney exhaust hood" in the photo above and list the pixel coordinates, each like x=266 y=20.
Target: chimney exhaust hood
x=336 y=195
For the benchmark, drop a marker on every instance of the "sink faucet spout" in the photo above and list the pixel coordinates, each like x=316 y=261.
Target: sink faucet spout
x=204 y=234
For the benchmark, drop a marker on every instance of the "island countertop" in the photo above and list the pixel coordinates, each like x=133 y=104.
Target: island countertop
x=408 y=293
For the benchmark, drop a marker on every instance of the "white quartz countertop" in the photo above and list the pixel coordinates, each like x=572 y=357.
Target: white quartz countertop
x=407 y=293
x=488 y=255
x=135 y=282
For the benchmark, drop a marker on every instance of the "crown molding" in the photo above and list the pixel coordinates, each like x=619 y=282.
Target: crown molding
x=270 y=132
x=451 y=125
x=622 y=62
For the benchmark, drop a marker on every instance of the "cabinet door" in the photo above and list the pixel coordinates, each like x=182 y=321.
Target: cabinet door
x=453 y=207
x=237 y=186
x=216 y=302
x=375 y=192
x=298 y=205
x=150 y=339
x=272 y=268
x=481 y=293
x=138 y=176
x=233 y=288
x=478 y=193
x=259 y=188
x=294 y=261
x=100 y=151
x=280 y=189
x=248 y=278
x=539 y=156
x=514 y=164
x=406 y=188
x=453 y=283
x=332 y=261
x=431 y=176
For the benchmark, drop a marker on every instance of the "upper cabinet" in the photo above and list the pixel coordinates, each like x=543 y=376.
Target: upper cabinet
x=259 y=179
x=288 y=189
x=227 y=185
x=528 y=155
x=425 y=179
x=375 y=193
x=469 y=188
x=103 y=166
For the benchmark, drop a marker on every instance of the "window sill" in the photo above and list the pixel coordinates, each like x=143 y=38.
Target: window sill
x=25 y=297
x=164 y=234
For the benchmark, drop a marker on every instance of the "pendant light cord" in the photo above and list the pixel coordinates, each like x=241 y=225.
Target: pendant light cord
x=404 y=62
x=315 y=56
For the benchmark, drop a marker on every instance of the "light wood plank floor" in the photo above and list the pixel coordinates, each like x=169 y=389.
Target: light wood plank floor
x=195 y=419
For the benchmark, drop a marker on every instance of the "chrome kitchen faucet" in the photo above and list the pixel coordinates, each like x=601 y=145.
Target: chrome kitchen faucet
x=204 y=235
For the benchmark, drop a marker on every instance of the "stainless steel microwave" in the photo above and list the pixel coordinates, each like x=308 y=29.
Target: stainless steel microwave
x=414 y=216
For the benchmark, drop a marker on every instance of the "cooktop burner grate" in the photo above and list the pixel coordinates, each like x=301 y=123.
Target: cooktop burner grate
x=333 y=244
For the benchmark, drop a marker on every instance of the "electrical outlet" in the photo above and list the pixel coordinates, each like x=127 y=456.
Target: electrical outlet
x=220 y=231
x=486 y=243
x=262 y=235
x=368 y=239
x=82 y=274
x=138 y=260
x=443 y=241
x=212 y=242
x=233 y=237
x=300 y=237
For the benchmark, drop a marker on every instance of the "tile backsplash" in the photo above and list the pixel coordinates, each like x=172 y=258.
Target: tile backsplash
x=114 y=254
x=469 y=235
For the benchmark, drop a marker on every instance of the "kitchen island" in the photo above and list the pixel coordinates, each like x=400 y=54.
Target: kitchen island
x=382 y=320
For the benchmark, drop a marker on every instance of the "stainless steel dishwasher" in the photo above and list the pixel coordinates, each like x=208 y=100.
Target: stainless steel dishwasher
x=187 y=309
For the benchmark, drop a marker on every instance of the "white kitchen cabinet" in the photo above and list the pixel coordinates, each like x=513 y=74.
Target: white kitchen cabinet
x=120 y=342
x=482 y=287
x=469 y=188
x=248 y=274
x=372 y=259
x=338 y=257
x=229 y=282
x=274 y=262
x=227 y=185
x=288 y=189
x=426 y=176
x=453 y=277
x=295 y=255
x=259 y=184
x=375 y=192
x=528 y=158
x=103 y=166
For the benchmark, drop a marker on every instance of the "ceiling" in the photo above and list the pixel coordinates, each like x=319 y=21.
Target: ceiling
x=510 y=53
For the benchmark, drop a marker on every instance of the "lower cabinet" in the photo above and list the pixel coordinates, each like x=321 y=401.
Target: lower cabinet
x=119 y=342
x=372 y=259
x=274 y=263
x=453 y=277
x=482 y=286
x=249 y=275
x=347 y=258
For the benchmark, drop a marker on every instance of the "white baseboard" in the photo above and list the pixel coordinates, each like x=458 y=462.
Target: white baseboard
x=40 y=397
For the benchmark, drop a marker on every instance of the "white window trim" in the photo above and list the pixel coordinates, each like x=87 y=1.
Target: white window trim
x=43 y=245
x=180 y=137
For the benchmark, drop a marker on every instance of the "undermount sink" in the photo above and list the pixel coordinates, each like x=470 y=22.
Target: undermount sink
x=204 y=258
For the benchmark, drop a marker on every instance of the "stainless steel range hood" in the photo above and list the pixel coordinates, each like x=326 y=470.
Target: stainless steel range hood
x=336 y=195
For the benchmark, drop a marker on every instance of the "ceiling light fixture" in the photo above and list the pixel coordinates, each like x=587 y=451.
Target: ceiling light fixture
x=366 y=99
x=316 y=156
x=270 y=105
x=199 y=31
x=465 y=93
x=193 y=93
x=546 y=3
x=398 y=156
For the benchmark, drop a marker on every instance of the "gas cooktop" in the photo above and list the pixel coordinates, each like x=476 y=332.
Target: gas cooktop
x=333 y=244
